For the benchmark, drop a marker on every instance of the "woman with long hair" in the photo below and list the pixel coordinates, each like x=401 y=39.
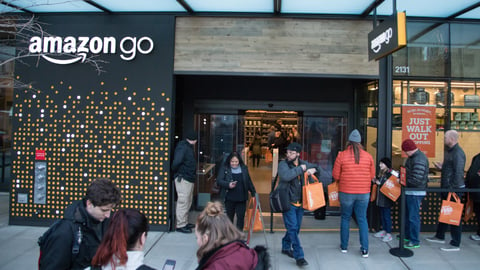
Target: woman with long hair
x=220 y=243
x=235 y=182
x=122 y=246
x=354 y=170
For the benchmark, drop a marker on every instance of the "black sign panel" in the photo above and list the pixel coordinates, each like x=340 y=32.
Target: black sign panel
x=387 y=37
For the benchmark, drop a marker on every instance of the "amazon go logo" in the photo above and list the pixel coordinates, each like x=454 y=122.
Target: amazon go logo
x=79 y=47
x=333 y=196
x=446 y=210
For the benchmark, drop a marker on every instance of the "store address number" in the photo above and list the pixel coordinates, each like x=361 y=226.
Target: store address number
x=402 y=69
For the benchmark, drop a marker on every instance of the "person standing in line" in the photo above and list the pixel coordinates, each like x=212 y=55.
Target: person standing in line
x=92 y=216
x=354 y=169
x=472 y=180
x=122 y=246
x=184 y=168
x=383 y=202
x=256 y=149
x=235 y=182
x=452 y=178
x=291 y=172
x=221 y=245
x=416 y=167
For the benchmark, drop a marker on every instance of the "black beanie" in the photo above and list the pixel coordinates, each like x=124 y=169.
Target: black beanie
x=387 y=162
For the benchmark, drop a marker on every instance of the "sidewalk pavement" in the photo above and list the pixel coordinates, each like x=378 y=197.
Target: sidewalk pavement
x=19 y=250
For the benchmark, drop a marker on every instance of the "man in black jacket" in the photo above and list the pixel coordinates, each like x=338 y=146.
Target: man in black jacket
x=416 y=167
x=291 y=173
x=84 y=221
x=452 y=178
x=184 y=167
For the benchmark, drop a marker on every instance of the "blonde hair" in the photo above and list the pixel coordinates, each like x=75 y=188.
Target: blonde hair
x=220 y=230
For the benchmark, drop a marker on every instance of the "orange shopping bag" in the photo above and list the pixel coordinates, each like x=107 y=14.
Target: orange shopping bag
x=373 y=193
x=451 y=211
x=257 y=223
x=468 y=209
x=268 y=156
x=313 y=197
x=391 y=188
x=333 y=199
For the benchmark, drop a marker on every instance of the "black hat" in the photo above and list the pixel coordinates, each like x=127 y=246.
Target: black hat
x=191 y=135
x=387 y=162
x=294 y=147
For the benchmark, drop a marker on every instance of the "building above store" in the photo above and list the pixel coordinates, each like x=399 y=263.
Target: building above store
x=441 y=9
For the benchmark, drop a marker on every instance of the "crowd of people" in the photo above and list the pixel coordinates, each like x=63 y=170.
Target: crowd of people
x=87 y=238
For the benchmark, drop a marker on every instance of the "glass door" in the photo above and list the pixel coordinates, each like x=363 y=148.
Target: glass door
x=218 y=137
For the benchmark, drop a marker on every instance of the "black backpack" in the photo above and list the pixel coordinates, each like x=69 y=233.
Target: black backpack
x=263 y=258
x=76 y=232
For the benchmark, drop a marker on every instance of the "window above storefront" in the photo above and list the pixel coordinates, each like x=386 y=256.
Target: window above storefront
x=458 y=9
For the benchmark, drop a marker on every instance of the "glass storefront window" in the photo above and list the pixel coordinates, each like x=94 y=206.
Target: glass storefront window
x=465 y=44
x=458 y=112
x=427 y=51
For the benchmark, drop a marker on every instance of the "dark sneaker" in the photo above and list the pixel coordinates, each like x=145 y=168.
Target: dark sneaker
x=450 y=248
x=190 y=226
x=289 y=253
x=302 y=262
x=435 y=240
x=364 y=253
x=411 y=245
x=184 y=230
x=343 y=250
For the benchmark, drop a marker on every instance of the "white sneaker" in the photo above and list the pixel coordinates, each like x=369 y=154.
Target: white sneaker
x=380 y=234
x=434 y=239
x=450 y=248
x=475 y=237
x=387 y=238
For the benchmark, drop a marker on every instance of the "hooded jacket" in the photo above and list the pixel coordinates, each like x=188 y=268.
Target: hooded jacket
x=57 y=254
x=232 y=256
x=453 y=168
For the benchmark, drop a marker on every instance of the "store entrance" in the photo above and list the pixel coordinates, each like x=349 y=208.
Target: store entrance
x=322 y=136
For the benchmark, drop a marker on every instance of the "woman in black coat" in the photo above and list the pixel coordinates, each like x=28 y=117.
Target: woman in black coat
x=235 y=182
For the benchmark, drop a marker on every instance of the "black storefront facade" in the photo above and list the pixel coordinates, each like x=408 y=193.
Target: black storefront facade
x=162 y=71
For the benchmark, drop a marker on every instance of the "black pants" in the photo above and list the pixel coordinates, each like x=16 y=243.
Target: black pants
x=236 y=208
x=476 y=209
x=257 y=158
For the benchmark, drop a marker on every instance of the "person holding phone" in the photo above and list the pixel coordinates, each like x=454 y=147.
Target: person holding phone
x=235 y=182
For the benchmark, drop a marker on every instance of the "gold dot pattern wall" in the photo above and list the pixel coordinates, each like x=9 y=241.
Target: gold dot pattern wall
x=121 y=134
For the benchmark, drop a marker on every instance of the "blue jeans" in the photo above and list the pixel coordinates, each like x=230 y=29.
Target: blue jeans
x=412 y=225
x=292 y=220
x=386 y=217
x=357 y=203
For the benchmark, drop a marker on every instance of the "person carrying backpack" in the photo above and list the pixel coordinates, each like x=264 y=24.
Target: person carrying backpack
x=71 y=242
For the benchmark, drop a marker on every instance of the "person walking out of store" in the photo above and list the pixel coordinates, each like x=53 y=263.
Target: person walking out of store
x=472 y=180
x=235 y=182
x=383 y=202
x=256 y=149
x=453 y=167
x=184 y=168
x=416 y=167
x=291 y=171
x=354 y=169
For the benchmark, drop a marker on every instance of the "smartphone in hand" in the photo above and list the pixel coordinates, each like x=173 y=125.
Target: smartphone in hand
x=169 y=265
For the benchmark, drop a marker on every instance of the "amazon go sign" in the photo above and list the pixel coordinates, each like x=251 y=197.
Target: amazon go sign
x=76 y=49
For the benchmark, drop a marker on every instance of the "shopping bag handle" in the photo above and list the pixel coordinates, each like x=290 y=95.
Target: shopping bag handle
x=305 y=178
